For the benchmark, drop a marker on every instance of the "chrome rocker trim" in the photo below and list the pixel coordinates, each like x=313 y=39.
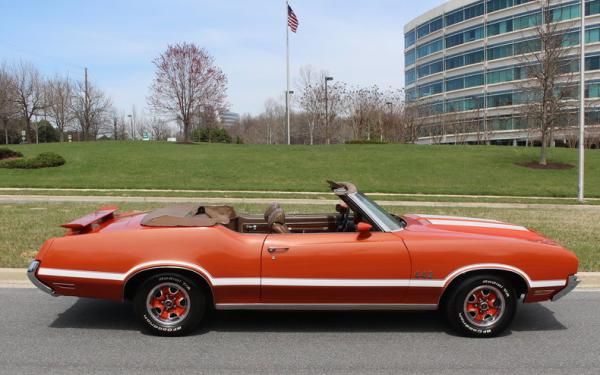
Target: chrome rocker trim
x=31 y=274
x=572 y=282
x=325 y=306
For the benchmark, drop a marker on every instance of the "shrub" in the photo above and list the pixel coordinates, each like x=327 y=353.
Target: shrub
x=364 y=142
x=7 y=153
x=211 y=135
x=43 y=160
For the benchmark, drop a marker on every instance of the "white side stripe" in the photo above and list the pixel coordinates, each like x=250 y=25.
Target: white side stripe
x=291 y=282
x=548 y=283
x=81 y=274
x=477 y=224
x=336 y=282
x=441 y=217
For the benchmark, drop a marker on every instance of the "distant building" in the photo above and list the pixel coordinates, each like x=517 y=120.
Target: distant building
x=463 y=58
x=229 y=119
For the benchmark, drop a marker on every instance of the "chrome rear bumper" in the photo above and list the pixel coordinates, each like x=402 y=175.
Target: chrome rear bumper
x=31 y=270
x=572 y=282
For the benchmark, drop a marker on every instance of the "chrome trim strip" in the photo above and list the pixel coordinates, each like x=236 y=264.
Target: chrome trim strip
x=325 y=306
x=373 y=217
x=572 y=282
x=31 y=270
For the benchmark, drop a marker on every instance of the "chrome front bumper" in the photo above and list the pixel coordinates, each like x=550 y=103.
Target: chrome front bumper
x=572 y=282
x=31 y=270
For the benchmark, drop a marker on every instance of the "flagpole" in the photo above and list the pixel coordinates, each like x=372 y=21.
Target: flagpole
x=580 y=195
x=287 y=65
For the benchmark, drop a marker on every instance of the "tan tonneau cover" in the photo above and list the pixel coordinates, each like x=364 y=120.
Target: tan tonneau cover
x=189 y=216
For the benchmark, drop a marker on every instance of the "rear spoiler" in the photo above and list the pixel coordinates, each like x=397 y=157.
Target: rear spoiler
x=84 y=223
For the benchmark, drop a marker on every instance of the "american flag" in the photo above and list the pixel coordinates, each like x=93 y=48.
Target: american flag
x=292 y=19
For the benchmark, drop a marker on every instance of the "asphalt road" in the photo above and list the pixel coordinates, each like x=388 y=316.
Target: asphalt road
x=40 y=334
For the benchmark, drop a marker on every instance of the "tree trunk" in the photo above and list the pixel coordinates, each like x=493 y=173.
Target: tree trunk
x=186 y=130
x=543 y=159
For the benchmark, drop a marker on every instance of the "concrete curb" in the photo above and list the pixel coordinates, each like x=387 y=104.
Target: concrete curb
x=17 y=278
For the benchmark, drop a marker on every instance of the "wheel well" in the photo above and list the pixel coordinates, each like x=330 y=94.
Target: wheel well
x=517 y=281
x=136 y=281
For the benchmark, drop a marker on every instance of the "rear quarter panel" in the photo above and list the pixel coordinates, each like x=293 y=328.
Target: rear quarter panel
x=216 y=251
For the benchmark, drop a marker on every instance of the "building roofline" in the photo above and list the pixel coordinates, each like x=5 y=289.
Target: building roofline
x=446 y=7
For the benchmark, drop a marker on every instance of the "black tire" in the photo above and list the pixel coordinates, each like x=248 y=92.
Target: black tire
x=182 y=305
x=471 y=313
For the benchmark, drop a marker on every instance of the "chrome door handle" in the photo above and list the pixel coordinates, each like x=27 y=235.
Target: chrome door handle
x=272 y=250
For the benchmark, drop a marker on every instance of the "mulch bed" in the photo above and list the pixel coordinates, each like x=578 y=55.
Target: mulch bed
x=554 y=166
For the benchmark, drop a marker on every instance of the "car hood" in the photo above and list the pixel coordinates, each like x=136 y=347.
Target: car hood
x=474 y=226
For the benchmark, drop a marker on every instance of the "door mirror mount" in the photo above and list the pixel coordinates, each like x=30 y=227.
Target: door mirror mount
x=364 y=228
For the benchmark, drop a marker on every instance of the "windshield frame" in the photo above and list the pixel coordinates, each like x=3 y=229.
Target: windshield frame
x=384 y=220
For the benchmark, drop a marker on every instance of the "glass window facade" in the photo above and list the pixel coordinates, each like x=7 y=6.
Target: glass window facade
x=431 y=68
x=464 y=37
x=494 y=5
x=431 y=89
x=429 y=48
x=410 y=38
x=410 y=57
x=564 y=13
x=430 y=27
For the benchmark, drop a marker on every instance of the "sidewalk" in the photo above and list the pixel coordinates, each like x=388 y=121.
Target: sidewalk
x=267 y=192
x=17 y=278
x=288 y=201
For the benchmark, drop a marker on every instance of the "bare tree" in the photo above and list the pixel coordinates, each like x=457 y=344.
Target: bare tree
x=92 y=111
x=7 y=107
x=59 y=96
x=160 y=129
x=186 y=82
x=545 y=96
x=28 y=93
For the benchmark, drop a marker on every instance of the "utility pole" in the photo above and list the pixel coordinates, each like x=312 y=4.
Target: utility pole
x=580 y=195
x=390 y=104
x=86 y=104
x=327 y=110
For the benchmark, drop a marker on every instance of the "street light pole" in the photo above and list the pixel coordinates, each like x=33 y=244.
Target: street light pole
x=131 y=127
x=327 y=110
x=580 y=195
x=389 y=104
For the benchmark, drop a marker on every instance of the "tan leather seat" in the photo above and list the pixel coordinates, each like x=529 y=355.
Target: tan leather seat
x=272 y=207
x=277 y=221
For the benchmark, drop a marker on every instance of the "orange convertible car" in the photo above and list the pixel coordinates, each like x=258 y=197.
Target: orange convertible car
x=177 y=262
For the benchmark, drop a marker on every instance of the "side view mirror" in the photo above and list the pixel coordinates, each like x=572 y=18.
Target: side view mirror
x=364 y=228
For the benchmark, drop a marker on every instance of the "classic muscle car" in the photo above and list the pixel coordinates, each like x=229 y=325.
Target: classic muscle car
x=175 y=263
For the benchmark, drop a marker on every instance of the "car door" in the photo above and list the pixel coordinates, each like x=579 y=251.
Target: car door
x=339 y=268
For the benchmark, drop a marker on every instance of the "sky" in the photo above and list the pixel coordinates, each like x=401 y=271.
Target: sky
x=358 y=42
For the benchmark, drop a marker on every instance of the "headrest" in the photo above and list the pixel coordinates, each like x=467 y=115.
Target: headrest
x=276 y=217
x=272 y=207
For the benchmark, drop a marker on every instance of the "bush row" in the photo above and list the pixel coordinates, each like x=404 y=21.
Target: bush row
x=364 y=142
x=43 y=160
x=7 y=153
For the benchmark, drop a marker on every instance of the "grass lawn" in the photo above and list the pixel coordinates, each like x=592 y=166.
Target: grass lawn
x=23 y=227
x=478 y=170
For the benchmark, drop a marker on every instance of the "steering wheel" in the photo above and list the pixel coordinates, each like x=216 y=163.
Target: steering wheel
x=344 y=217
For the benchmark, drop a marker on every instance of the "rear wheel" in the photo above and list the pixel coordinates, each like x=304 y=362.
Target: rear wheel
x=481 y=306
x=170 y=305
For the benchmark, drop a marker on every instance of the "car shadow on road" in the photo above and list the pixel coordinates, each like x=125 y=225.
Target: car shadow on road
x=97 y=314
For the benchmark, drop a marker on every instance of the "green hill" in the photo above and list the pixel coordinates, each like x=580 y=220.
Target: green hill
x=485 y=170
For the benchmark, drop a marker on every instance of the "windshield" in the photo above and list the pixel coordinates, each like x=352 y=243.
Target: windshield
x=390 y=221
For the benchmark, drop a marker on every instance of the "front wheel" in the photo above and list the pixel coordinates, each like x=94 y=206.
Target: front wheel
x=481 y=306
x=169 y=305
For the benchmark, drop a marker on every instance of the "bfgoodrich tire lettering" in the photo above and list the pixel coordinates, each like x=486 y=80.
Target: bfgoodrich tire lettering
x=481 y=306
x=169 y=305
